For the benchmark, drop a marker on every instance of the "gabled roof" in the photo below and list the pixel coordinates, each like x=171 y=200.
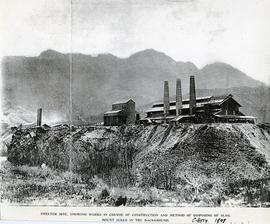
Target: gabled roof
x=230 y=97
x=122 y=101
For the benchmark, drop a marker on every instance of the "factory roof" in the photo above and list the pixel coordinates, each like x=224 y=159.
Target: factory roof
x=159 y=118
x=235 y=116
x=112 y=112
x=184 y=106
x=122 y=101
x=187 y=100
x=156 y=109
x=230 y=96
x=200 y=102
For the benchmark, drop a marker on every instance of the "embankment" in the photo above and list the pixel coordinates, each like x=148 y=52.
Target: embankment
x=193 y=159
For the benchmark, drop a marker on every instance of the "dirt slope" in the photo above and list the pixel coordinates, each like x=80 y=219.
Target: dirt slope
x=245 y=145
x=193 y=163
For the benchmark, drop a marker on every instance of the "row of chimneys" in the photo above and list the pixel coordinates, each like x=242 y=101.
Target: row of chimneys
x=178 y=100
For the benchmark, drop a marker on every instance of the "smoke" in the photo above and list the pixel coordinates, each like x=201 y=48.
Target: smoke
x=50 y=117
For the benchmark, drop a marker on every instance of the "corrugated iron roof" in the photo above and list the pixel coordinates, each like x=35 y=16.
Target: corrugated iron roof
x=197 y=98
x=113 y=112
x=223 y=96
x=213 y=100
x=156 y=109
x=184 y=106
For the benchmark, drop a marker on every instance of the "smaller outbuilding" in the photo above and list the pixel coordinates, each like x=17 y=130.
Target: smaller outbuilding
x=123 y=112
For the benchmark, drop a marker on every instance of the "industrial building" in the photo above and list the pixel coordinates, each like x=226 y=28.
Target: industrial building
x=222 y=108
x=123 y=112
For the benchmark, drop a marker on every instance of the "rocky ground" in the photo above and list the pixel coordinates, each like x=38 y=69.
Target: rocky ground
x=156 y=165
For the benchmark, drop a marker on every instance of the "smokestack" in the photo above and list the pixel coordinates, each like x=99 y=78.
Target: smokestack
x=192 y=95
x=178 y=99
x=166 y=98
x=39 y=116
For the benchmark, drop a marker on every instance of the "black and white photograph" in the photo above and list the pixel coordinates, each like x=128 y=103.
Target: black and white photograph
x=135 y=103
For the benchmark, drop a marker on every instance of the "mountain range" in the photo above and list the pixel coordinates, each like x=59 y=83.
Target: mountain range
x=55 y=81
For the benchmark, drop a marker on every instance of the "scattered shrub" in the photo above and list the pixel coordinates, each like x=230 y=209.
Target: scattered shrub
x=72 y=177
x=121 y=201
x=34 y=172
x=121 y=177
x=104 y=194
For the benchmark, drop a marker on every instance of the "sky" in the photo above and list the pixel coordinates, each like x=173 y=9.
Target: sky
x=201 y=31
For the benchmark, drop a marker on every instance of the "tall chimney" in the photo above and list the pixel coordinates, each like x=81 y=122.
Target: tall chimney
x=39 y=116
x=178 y=98
x=166 y=98
x=192 y=95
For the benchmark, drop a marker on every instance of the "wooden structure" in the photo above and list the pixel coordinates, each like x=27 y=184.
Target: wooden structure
x=222 y=108
x=123 y=112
